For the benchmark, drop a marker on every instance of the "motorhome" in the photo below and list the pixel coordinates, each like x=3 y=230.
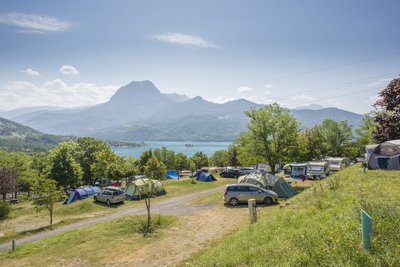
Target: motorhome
x=337 y=164
x=317 y=169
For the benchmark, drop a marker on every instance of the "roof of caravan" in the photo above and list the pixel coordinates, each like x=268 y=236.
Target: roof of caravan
x=298 y=164
x=317 y=163
x=336 y=158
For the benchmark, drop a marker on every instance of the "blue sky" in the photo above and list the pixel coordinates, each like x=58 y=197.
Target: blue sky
x=77 y=53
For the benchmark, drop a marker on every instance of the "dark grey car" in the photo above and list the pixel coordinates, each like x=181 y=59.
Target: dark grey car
x=241 y=193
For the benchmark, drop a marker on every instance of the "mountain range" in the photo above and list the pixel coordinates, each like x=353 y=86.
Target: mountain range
x=140 y=112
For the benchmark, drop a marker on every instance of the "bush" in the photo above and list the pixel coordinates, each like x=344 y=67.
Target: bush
x=4 y=210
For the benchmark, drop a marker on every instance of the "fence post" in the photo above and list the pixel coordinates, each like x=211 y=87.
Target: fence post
x=252 y=210
x=13 y=245
x=366 y=222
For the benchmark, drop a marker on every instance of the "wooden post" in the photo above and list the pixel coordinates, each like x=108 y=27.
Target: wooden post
x=252 y=210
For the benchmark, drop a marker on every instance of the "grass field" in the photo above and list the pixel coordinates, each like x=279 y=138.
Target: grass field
x=90 y=246
x=24 y=220
x=320 y=227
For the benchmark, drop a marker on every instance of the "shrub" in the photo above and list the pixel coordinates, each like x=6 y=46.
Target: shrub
x=4 y=210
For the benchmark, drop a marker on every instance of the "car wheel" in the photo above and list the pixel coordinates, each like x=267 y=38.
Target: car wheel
x=108 y=202
x=95 y=199
x=233 y=201
x=268 y=201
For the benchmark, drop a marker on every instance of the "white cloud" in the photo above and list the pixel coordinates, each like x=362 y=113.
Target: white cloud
x=55 y=93
x=371 y=100
x=31 y=72
x=184 y=39
x=36 y=24
x=69 y=70
x=244 y=89
x=301 y=97
x=267 y=92
x=268 y=85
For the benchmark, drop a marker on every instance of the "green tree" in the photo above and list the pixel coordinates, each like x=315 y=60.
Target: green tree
x=129 y=167
x=387 y=118
x=181 y=162
x=155 y=169
x=200 y=160
x=233 y=156
x=146 y=155
x=107 y=165
x=148 y=191
x=337 y=136
x=165 y=156
x=364 y=134
x=89 y=147
x=220 y=158
x=64 y=166
x=47 y=193
x=315 y=146
x=271 y=136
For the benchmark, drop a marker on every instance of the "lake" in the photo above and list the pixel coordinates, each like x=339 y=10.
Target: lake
x=207 y=148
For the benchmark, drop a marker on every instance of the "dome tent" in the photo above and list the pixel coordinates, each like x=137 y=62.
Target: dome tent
x=384 y=156
x=205 y=177
x=135 y=188
x=269 y=181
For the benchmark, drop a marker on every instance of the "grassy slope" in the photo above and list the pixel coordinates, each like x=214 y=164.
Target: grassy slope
x=90 y=246
x=24 y=220
x=321 y=227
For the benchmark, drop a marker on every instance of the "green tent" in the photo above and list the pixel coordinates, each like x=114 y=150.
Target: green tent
x=271 y=182
x=134 y=188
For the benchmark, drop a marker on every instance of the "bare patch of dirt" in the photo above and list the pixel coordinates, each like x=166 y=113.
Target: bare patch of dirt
x=190 y=235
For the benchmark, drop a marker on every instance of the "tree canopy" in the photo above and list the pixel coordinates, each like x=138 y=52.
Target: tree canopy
x=387 y=118
x=271 y=136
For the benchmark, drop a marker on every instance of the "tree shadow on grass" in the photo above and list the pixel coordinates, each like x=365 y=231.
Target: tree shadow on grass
x=114 y=206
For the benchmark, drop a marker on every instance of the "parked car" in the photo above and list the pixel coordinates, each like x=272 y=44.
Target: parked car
x=241 y=193
x=110 y=196
x=246 y=170
x=230 y=173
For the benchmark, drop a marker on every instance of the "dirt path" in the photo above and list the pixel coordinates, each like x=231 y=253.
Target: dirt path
x=192 y=234
x=174 y=206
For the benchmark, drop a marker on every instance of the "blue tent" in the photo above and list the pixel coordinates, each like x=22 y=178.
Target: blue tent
x=205 y=177
x=172 y=174
x=81 y=193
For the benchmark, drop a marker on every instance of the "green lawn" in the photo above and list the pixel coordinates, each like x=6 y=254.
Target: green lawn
x=320 y=227
x=90 y=246
x=25 y=220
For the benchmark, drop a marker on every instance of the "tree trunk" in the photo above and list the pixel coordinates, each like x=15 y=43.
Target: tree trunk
x=148 y=214
x=272 y=168
x=4 y=196
x=51 y=217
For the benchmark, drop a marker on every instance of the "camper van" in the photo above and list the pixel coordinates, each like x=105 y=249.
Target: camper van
x=337 y=164
x=317 y=169
x=298 y=170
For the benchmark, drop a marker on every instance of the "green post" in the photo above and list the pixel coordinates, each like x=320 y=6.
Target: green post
x=13 y=245
x=366 y=222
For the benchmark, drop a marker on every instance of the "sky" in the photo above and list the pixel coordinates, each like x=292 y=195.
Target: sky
x=78 y=53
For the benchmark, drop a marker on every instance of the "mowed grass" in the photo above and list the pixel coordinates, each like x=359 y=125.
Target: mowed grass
x=24 y=220
x=320 y=227
x=90 y=246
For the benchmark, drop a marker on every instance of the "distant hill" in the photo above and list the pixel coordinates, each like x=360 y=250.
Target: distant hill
x=17 y=137
x=139 y=111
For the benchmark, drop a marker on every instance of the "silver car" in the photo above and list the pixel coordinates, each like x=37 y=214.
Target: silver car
x=241 y=193
x=110 y=196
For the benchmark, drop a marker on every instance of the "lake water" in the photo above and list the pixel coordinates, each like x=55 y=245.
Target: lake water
x=207 y=148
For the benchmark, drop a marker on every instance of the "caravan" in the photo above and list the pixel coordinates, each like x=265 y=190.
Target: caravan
x=317 y=169
x=337 y=164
